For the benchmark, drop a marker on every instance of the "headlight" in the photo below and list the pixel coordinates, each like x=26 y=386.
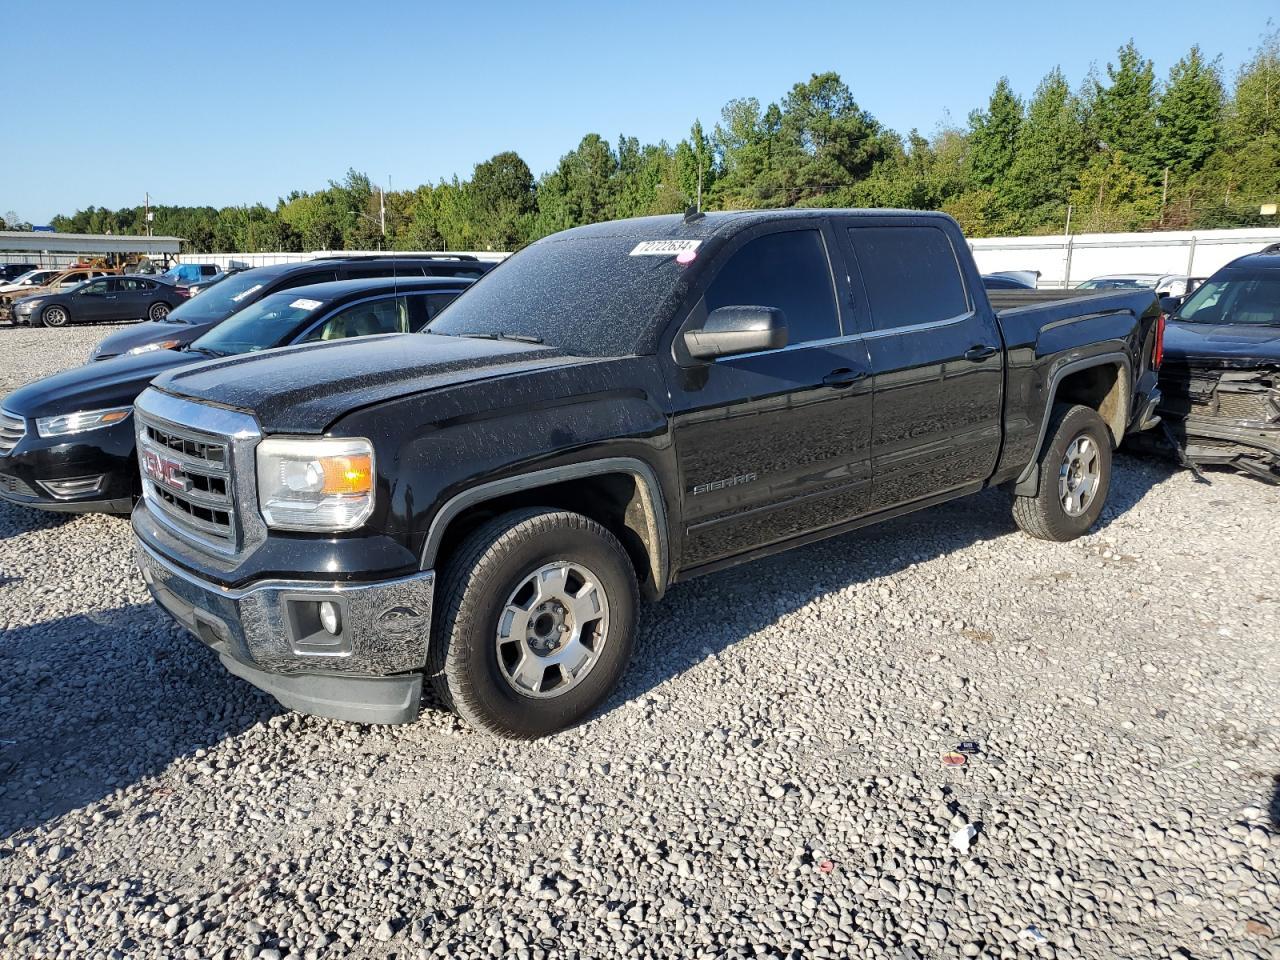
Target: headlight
x=81 y=421
x=26 y=306
x=315 y=484
x=162 y=345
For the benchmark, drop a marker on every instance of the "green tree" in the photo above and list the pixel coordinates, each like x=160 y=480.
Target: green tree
x=1050 y=153
x=1124 y=112
x=1189 y=115
x=993 y=137
x=1113 y=194
x=581 y=188
x=502 y=202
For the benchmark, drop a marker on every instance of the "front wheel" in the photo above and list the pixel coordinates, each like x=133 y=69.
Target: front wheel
x=158 y=311
x=1075 y=476
x=54 y=316
x=536 y=625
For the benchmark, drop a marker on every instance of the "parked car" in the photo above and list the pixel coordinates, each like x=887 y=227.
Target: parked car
x=200 y=286
x=1164 y=284
x=200 y=314
x=98 y=301
x=998 y=281
x=67 y=441
x=11 y=271
x=29 y=280
x=619 y=407
x=60 y=281
x=1221 y=378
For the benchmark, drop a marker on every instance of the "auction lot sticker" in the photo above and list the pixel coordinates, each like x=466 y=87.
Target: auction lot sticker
x=664 y=248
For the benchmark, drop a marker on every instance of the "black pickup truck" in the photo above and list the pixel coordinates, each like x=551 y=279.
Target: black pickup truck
x=618 y=407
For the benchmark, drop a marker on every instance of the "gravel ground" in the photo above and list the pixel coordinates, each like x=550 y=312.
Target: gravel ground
x=768 y=781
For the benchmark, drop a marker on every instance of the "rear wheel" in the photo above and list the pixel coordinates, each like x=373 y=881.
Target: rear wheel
x=53 y=316
x=158 y=311
x=1075 y=476
x=536 y=623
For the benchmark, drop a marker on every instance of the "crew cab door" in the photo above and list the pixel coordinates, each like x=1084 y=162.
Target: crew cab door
x=937 y=357
x=774 y=444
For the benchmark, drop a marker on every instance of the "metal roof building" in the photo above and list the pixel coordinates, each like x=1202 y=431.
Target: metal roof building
x=26 y=241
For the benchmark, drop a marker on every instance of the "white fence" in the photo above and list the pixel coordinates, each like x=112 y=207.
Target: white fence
x=228 y=260
x=1067 y=261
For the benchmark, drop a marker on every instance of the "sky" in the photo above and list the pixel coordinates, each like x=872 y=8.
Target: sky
x=243 y=102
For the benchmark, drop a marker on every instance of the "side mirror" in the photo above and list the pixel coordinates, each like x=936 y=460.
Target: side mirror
x=733 y=330
x=1170 y=305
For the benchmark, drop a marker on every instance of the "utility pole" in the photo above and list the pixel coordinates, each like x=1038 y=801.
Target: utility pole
x=382 y=212
x=146 y=216
x=1164 y=195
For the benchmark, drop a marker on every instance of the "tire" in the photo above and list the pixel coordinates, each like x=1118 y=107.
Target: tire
x=505 y=581
x=158 y=311
x=52 y=316
x=1077 y=450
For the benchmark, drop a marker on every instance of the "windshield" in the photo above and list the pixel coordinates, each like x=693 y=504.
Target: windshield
x=29 y=275
x=1236 y=295
x=222 y=300
x=260 y=326
x=584 y=294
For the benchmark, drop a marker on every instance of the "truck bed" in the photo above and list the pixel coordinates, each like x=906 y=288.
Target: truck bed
x=1012 y=299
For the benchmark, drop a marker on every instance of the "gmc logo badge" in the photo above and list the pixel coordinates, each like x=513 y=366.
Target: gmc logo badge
x=166 y=472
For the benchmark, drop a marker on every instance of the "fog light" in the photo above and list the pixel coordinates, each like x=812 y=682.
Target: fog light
x=329 y=617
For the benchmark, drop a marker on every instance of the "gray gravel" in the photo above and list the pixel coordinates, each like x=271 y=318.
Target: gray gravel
x=768 y=782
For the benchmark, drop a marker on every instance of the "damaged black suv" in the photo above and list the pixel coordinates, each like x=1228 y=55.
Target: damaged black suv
x=1221 y=371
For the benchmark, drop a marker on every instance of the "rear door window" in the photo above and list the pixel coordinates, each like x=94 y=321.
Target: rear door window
x=911 y=275
x=788 y=271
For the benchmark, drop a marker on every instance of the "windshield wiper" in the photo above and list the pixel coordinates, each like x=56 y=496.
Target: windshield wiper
x=207 y=352
x=500 y=335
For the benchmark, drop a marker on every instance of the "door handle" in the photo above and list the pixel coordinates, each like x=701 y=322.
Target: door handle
x=844 y=377
x=979 y=352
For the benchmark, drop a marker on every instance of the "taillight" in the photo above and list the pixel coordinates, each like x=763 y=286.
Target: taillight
x=1157 y=352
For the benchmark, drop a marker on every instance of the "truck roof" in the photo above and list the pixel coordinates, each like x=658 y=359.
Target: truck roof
x=725 y=223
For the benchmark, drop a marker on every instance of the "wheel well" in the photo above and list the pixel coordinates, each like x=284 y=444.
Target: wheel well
x=620 y=502
x=1105 y=389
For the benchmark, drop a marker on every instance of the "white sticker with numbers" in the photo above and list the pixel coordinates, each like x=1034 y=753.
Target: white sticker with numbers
x=664 y=248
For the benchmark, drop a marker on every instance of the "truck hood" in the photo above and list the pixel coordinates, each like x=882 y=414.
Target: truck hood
x=95 y=386
x=149 y=331
x=1237 y=345
x=303 y=389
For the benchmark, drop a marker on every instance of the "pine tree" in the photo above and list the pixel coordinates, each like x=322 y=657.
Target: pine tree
x=1189 y=115
x=1124 y=113
x=1051 y=152
x=993 y=136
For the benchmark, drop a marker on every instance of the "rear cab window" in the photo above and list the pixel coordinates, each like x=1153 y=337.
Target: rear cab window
x=910 y=274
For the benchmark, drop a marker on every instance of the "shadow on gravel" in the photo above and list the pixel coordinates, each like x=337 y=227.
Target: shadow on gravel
x=16 y=520
x=1273 y=810
x=704 y=616
x=93 y=702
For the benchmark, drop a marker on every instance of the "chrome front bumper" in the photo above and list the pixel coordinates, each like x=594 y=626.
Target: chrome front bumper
x=370 y=672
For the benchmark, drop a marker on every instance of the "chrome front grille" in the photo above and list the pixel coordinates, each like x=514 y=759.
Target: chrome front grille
x=186 y=476
x=12 y=429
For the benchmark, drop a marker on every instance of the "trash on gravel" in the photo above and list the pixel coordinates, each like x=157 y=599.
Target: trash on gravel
x=826 y=866
x=1032 y=933
x=963 y=837
x=953 y=760
x=969 y=747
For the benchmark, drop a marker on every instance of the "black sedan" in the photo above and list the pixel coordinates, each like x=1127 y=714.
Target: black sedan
x=97 y=301
x=67 y=442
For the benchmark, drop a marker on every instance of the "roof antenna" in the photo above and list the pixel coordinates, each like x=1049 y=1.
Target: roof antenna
x=693 y=214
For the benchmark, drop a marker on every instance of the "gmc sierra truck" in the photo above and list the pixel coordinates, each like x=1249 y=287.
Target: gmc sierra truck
x=618 y=407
